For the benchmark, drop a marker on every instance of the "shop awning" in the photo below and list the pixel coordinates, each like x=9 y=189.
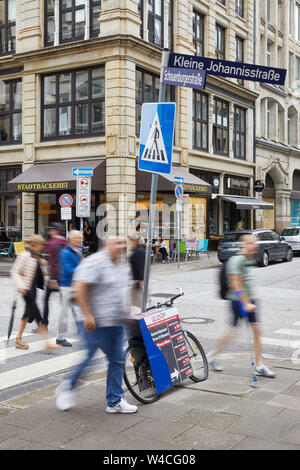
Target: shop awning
x=57 y=176
x=166 y=182
x=243 y=202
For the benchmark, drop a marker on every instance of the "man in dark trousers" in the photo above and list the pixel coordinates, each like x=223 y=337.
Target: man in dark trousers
x=137 y=264
x=54 y=245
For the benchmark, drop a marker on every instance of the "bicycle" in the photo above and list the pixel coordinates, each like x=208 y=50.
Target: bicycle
x=138 y=376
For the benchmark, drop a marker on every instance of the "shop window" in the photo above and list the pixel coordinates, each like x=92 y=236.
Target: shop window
x=221 y=127
x=220 y=42
x=7 y=27
x=10 y=112
x=73 y=103
x=156 y=21
x=73 y=20
x=200 y=120
x=239 y=133
x=198 y=33
x=147 y=91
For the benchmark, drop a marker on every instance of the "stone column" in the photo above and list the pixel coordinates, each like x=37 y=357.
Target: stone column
x=30 y=14
x=283 y=212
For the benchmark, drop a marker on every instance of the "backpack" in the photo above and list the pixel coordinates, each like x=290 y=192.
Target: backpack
x=224 y=287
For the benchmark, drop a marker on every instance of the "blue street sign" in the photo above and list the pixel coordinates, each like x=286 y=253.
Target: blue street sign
x=184 y=77
x=156 y=137
x=178 y=180
x=225 y=68
x=83 y=171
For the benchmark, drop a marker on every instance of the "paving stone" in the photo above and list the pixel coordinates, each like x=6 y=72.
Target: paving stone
x=292 y=436
x=19 y=444
x=7 y=431
x=226 y=384
x=285 y=401
x=285 y=375
x=245 y=407
x=161 y=411
x=273 y=429
x=208 y=419
x=163 y=431
x=290 y=417
x=33 y=397
x=288 y=364
x=208 y=401
x=147 y=444
x=204 y=439
x=292 y=390
x=5 y=411
x=52 y=433
x=99 y=440
x=261 y=396
x=250 y=443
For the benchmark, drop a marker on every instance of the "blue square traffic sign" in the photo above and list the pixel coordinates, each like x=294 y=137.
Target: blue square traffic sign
x=156 y=137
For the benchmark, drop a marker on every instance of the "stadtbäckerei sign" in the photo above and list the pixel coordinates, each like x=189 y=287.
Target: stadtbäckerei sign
x=224 y=68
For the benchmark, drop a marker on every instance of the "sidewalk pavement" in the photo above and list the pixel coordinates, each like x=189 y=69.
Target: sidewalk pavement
x=228 y=411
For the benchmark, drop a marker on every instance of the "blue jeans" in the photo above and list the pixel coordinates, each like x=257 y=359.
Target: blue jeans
x=110 y=340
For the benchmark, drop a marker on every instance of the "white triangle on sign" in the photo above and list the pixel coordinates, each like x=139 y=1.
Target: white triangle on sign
x=154 y=150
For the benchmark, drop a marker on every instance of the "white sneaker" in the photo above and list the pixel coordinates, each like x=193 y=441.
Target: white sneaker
x=213 y=364
x=122 y=407
x=64 y=396
x=265 y=371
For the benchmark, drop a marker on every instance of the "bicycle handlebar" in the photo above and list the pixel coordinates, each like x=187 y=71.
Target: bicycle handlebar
x=168 y=303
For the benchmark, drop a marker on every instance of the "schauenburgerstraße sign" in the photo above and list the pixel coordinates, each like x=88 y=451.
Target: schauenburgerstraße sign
x=224 y=68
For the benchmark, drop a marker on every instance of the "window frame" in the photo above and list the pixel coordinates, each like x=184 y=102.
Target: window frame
x=241 y=41
x=6 y=26
x=71 y=10
x=198 y=41
x=11 y=112
x=239 y=110
x=200 y=120
x=223 y=2
x=94 y=3
x=224 y=129
x=170 y=24
x=220 y=53
x=48 y=15
x=72 y=103
x=240 y=8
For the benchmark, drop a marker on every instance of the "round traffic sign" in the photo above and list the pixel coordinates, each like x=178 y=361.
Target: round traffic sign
x=83 y=200
x=84 y=182
x=66 y=200
x=178 y=191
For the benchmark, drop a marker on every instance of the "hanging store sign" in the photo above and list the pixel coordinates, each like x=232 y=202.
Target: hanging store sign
x=224 y=68
x=234 y=183
x=259 y=186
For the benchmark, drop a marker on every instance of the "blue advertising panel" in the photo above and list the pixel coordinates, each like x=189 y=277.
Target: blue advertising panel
x=224 y=68
x=190 y=78
x=156 y=137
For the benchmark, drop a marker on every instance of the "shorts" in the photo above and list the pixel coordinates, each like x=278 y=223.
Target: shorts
x=237 y=314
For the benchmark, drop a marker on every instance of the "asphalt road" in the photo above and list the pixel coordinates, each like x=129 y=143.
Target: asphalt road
x=201 y=309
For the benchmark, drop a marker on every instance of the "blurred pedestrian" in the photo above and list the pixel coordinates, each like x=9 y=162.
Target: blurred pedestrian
x=28 y=273
x=242 y=294
x=56 y=242
x=69 y=258
x=101 y=291
x=137 y=264
x=162 y=248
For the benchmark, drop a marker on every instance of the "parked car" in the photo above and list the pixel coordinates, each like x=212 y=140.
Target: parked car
x=271 y=246
x=292 y=236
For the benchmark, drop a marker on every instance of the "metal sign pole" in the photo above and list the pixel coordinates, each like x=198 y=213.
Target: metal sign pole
x=151 y=221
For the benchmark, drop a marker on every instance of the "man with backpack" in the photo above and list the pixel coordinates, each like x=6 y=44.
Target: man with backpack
x=240 y=290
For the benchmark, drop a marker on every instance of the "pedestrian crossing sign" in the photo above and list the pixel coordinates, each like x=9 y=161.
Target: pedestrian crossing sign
x=156 y=137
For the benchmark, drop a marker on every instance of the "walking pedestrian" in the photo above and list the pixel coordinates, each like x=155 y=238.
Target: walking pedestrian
x=69 y=258
x=101 y=291
x=242 y=295
x=137 y=264
x=56 y=242
x=28 y=273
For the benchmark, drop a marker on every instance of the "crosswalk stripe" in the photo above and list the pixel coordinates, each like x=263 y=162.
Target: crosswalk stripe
x=13 y=336
x=40 y=369
x=9 y=353
x=281 y=342
x=288 y=331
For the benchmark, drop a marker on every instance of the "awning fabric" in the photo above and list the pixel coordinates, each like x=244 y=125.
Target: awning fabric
x=243 y=202
x=57 y=176
x=166 y=182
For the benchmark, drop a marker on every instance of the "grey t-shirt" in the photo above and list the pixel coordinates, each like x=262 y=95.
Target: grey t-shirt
x=241 y=265
x=108 y=288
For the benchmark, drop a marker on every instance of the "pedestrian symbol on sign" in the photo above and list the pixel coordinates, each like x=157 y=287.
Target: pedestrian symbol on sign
x=155 y=148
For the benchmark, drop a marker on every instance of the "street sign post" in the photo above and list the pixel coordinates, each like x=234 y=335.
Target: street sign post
x=179 y=196
x=83 y=198
x=66 y=202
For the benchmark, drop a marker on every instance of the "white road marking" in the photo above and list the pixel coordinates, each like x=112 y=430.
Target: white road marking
x=9 y=353
x=40 y=369
x=281 y=342
x=288 y=331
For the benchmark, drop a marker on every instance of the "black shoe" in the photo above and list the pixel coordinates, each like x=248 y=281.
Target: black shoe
x=64 y=342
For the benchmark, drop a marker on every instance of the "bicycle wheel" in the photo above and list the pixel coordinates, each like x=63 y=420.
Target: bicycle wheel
x=138 y=376
x=197 y=357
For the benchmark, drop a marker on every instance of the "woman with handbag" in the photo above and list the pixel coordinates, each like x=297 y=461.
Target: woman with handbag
x=28 y=273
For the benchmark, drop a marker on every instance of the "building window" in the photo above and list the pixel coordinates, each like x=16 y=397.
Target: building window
x=49 y=22
x=7 y=26
x=239 y=133
x=155 y=21
x=291 y=4
x=73 y=103
x=222 y=1
x=95 y=8
x=147 y=91
x=239 y=53
x=297 y=22
x=291 y=70
x=297 y=73
x=10 y=112
x=269 y=12
x=220 y=42
x=269 y=49
x=198 y=33
x=221 y=127
x=200 y=120
x=239 y=7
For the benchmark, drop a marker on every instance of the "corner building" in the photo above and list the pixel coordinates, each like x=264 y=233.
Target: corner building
x=73 y=78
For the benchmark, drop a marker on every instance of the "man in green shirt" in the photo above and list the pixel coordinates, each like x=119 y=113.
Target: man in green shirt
x=242 y=294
